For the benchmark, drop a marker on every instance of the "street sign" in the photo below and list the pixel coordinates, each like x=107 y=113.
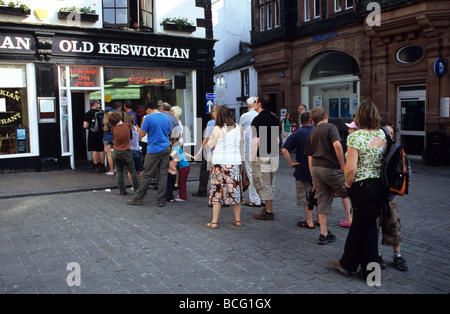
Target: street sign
x=209 y=101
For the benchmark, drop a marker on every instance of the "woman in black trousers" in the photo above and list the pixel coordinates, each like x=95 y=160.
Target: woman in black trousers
x=365 y=150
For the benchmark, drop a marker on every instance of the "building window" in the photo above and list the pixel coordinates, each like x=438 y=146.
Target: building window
x=316 y=9
x=307 y=8
x=277 y=13
x=261 y=19
x=137 y=14
x=14 y=123
x=337 y=6
x=245 y=84
x=268 y=14
x=348 y=4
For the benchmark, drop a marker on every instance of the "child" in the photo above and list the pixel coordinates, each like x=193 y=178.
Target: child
x=182 y=165
x=390 y=223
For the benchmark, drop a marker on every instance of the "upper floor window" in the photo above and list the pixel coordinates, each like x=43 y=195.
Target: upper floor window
x=136 y=14
x=311 y=9
x=348 y=4
x=337 y=6
x=245 y=83
x=316 y=9
x=268 y=14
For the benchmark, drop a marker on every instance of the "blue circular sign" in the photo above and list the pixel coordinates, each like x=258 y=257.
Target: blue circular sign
x=439 y=67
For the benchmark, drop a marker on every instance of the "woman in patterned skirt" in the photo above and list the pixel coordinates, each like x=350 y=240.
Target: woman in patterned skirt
x=226 y=174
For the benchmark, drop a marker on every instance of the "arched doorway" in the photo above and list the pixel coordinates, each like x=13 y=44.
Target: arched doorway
x=331 y=80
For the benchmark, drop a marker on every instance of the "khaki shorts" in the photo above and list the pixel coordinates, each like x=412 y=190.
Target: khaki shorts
x=327 y=182
x=390 y=225
x=263 y=180
x=302 y=188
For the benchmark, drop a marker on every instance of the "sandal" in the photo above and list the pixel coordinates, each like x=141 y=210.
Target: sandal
x=237 y=223
x=211 y=224
x=251 y=204
x=304 y=224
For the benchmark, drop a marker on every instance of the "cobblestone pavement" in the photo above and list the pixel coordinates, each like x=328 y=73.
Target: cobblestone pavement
x=169 y=250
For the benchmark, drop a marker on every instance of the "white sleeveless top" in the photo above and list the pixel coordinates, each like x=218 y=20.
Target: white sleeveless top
x=228 y=149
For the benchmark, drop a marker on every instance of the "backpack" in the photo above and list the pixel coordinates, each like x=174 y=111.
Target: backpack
x=97 y=122
x=395 y=168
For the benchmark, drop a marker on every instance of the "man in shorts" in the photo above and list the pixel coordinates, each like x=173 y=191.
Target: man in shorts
x=326 y=163
x=303 y=180
x=95 y=139
x=265 y=154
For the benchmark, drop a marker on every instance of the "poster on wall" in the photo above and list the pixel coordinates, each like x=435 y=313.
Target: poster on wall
x=354 y=104
x=345 y=107
x=317 y=100
x=334 y=107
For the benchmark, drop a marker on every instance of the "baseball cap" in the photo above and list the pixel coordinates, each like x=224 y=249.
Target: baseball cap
x=351 y=125
x=94 y=101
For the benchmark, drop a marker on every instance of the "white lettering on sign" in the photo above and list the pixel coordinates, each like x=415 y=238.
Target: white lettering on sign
x=123 y=49
x=18 y=43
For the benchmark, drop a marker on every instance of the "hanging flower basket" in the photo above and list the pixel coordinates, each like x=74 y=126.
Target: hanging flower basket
x=85 y=17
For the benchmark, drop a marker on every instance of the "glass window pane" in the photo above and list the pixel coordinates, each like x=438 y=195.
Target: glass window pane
x=109 y=16
x=108 y=3
x=121 y=3
x=121 y=16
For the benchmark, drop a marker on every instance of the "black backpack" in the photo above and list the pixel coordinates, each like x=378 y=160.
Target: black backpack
x=97 y=122
x=396 y=167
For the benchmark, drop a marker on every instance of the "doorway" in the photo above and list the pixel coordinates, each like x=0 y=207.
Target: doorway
x=411 y=108
x=79 y=108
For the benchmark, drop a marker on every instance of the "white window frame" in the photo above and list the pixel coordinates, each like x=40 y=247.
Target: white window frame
x=277 y=13
x=307 y=10
x=336 y=3
x=347 y=6
x=269 y=16
x=316 y=10
x=261 y=19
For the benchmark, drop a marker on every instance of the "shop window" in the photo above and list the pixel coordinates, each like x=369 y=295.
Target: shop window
x=137 y=14
x=14 y=123
x=159 y=85
x=409 y=54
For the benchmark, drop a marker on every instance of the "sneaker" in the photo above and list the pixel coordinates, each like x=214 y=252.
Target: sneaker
x=264 y=216
x=198 y=194
x=134 y=202
x=381 y=262
x=400 y=263
x=179 y=200
x=326 y=239
x=110 y=173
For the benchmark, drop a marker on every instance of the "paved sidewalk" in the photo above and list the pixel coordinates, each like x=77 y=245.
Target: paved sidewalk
x=50 y=219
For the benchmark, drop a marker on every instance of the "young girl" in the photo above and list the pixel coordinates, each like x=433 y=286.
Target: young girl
x=183 y=168
x=134 y=144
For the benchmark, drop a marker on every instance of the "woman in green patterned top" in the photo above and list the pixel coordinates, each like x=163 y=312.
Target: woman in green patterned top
x=365 y=151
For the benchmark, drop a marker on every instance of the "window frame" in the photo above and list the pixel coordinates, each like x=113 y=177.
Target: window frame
x=245 y=83
x=336 y=9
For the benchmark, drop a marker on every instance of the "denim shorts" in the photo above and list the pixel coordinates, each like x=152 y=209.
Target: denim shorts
x=138 y=160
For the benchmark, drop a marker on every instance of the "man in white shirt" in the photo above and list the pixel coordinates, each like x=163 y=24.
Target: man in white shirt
x=245 y=122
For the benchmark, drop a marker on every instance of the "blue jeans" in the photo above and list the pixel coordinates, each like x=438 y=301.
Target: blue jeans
x=123 y=158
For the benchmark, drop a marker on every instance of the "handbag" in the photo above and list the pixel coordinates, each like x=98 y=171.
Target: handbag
x=245 y=179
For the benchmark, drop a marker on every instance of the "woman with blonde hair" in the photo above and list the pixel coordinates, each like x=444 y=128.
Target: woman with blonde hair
x=226 y=172
x=365 y=151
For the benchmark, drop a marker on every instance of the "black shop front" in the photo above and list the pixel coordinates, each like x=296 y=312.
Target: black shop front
x=49 y=75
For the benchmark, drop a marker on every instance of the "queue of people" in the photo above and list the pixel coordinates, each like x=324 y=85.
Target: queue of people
x=321 y=170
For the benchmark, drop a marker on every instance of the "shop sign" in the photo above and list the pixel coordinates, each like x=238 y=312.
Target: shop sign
x=13 y=118
x=325 y=36
x=155 y=81
x=82 y=77
x=16 y=44
x=64 y=46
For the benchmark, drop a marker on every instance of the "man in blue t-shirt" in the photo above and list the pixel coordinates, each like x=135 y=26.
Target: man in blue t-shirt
x=303 y=180
x=157 y=127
